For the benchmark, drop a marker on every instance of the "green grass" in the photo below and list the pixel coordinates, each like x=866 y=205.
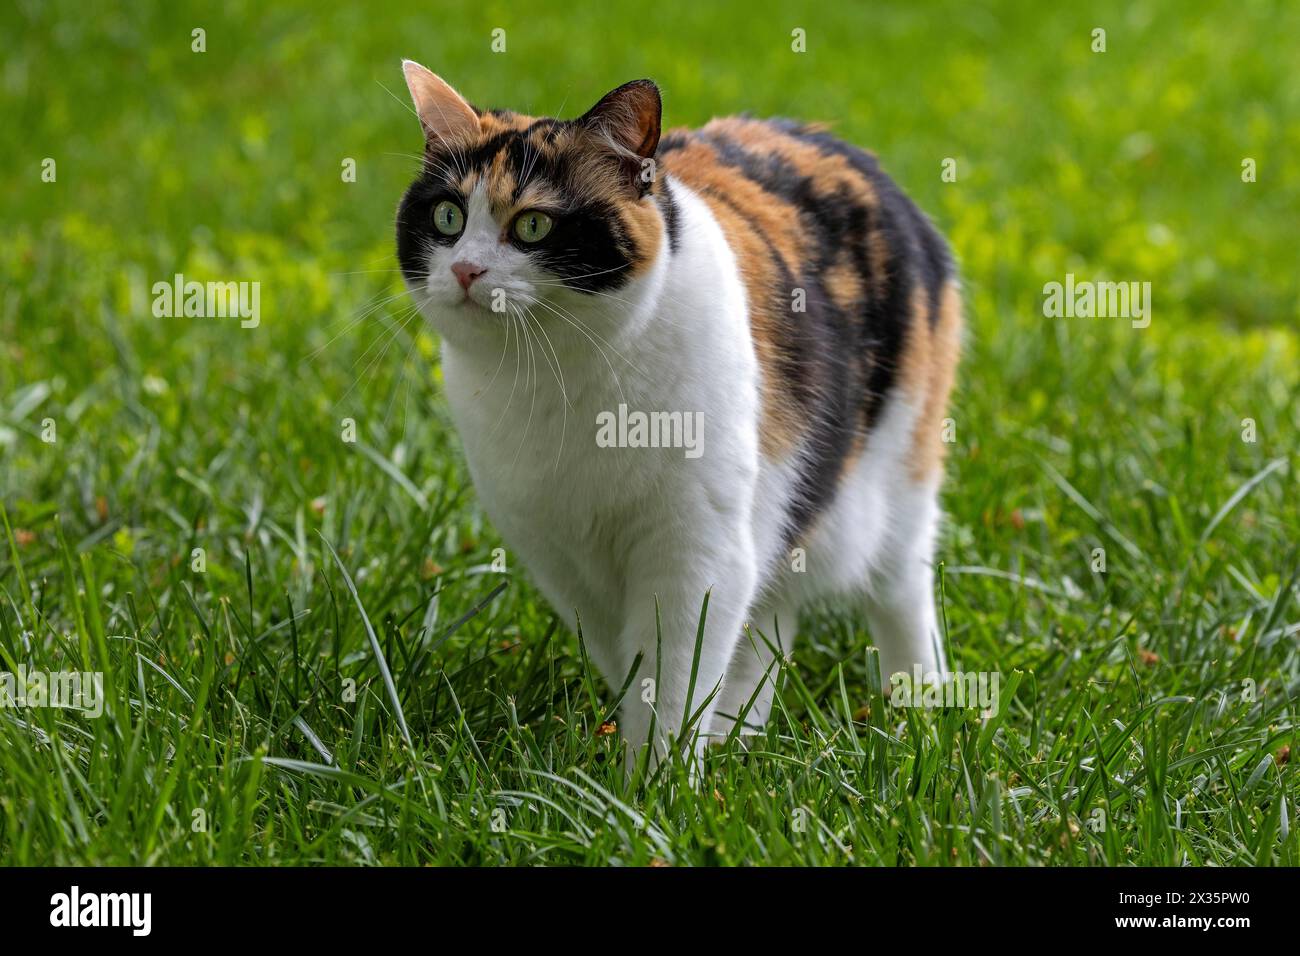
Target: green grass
x=1158 y=695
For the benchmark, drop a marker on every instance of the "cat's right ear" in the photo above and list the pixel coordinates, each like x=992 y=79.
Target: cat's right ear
x=443 y=112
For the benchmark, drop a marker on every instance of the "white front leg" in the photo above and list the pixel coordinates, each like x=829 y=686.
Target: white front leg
x=679 y=576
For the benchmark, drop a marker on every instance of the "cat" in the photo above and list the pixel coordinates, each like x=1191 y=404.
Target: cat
x=761 y=277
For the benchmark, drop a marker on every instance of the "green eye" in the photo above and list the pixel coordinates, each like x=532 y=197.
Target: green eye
x=447 y=218
x=532 y=226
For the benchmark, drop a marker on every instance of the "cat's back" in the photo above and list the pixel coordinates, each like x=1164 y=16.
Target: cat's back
x=852 y=292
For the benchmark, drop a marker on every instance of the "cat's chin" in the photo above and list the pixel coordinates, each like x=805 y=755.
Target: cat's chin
x=467 y=325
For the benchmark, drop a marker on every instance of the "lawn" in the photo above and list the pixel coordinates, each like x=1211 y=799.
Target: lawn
x=312 y=650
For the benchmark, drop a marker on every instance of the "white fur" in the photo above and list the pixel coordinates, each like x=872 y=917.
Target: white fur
x=608 y=532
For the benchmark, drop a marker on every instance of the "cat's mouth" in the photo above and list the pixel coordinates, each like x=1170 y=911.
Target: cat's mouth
x=469 y=303
x=496 y=301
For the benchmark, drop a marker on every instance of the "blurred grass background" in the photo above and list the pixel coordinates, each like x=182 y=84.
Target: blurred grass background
x=1127 y=160
x=177 y=433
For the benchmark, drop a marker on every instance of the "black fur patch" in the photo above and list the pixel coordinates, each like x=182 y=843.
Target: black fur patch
x=839 y=365
x=586 y=248
x=415 y=230
x=672 y=215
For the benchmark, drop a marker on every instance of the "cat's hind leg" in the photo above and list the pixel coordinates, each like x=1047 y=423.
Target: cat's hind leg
x=900 y=603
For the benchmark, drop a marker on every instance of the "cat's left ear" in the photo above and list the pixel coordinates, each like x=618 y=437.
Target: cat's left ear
x=629 y=118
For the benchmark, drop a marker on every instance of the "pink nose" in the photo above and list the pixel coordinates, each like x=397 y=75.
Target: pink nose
x=466 y=273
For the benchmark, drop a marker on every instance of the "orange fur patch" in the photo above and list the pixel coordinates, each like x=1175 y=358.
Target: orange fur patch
x=762 y=229
x=927 y=371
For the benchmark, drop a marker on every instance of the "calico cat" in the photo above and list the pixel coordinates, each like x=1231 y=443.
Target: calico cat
x=759 y=274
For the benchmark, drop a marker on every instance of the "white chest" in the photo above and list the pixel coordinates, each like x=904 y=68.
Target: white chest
x=589 y=434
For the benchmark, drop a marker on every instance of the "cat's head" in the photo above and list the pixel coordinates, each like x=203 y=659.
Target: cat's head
x=512 y=211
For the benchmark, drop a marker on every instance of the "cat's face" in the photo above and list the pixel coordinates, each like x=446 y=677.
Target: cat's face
x=514 y=213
